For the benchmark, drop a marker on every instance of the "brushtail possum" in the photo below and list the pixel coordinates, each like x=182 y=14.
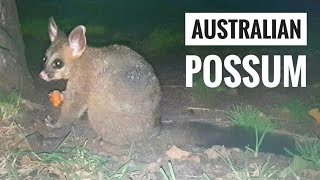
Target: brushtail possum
x=114 y=84
x=121 y=94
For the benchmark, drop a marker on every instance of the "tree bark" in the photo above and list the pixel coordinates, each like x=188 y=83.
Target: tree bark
x=14 y=74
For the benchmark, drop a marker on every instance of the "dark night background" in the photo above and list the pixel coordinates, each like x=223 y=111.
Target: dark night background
x=153 y=28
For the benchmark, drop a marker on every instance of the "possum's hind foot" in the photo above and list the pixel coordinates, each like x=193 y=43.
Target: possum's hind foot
x=49 y=121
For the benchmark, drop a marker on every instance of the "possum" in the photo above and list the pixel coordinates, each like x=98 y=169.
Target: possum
x=121 y=95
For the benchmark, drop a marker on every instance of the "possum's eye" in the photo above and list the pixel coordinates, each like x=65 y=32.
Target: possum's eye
x=44 y=59
x=58 y=63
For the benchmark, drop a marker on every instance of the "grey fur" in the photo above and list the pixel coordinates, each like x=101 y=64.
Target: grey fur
x=116 y=86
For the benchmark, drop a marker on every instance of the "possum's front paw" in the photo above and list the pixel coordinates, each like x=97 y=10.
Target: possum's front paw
x=50 y=122
x=56 y=98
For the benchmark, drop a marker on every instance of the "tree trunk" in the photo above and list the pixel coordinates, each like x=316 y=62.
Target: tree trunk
x=14 y=74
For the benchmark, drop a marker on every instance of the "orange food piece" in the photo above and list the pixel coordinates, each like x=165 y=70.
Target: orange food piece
x=315 y=113
x=56 y=98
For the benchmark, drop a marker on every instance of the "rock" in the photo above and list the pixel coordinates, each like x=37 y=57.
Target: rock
x=194 y=158
x=177 y=153
x=216 y=152
x=237 y=150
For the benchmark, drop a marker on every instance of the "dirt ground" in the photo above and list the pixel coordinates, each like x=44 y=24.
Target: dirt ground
x=179 y=104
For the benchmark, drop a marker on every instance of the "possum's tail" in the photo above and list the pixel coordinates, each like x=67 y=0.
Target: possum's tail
x=207 y=135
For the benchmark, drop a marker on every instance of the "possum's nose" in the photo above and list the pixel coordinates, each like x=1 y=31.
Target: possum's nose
x=43 y=75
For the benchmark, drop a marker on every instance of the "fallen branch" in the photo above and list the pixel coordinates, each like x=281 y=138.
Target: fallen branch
x=199 y=109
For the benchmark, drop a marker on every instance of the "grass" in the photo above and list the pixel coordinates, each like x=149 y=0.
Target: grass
x=308 y=151
x=259 y=141
x=307 y=157
x=297 y=110
x=250 y=117
x=259 y=172
x=255 y=171
x=18 y=161
x=172 y=175
x=9 y=105
x=168 y=176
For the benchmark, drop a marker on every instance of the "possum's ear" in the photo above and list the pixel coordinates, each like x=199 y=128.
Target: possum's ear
x=77 y=40
x=52 y=29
